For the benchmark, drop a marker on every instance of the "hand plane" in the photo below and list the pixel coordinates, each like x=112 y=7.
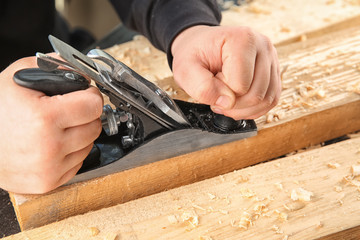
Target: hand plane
x=146 y=124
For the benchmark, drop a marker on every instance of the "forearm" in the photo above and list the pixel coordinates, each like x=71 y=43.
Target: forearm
x=162 y=20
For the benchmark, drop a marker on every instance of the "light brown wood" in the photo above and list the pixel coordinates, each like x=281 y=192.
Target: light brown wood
x=288 y=21
x=305 y=118
x=213 y=209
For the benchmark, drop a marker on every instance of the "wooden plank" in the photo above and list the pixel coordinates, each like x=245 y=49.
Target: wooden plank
x=287 y=21
x=318 y=103
x=213 y=208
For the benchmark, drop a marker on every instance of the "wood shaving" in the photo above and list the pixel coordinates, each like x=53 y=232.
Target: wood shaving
x=338 y=189
x=112 y=236
x=225 y=212
x=301 y=194
x=245 y=220
x=277 y=229
x=242 y=179
x=355 y=170
x=333 y=165
x=294 y=206
x=340 y=199
x=191 y=218
x=172 y=219
x=257 y=9
x=198 y=207
x=281 y=216
x=279 y=186
x=205 y=238
x=354 y=88
x=285 y=29
x=211 y=196
x=320 y=225
x=94 y=231
x=247 y=193
x=303 y=38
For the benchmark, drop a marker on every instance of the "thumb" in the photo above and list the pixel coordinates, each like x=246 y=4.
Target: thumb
x=202 y=85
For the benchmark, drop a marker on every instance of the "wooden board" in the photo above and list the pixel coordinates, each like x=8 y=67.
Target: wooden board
x=285 y=21
x=320 y=101
x=217 y=208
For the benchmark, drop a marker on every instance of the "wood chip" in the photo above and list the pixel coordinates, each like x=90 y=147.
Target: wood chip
x=172 y=219
x=191 y=218
x=301 y=194
x=247 y=193
x=94 y=231
x=245 y=220
x=355 y=170
x=112 y=236
x=333 y=165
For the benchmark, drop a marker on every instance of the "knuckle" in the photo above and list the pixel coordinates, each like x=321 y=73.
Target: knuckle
x=97 y=103
x=249 y=35
x=268 y=44
x=257 y=99
x=203 y=93
x=242 y=88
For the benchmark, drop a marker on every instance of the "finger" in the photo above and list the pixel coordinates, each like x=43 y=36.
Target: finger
x=69 y=175
x=75 y=108
x=260 y=83
x=270 y=100
x=73 y=159
x=239 y=62
x=76 y=138
x=203 y=86
x=27 y=62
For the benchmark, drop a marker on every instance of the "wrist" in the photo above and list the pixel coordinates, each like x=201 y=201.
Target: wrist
x=184 y=36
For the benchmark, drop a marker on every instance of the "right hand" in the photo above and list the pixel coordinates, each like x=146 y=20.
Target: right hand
x=44 y=140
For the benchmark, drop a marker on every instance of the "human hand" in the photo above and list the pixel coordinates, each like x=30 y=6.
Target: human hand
x=43 y=140
x=235 y=70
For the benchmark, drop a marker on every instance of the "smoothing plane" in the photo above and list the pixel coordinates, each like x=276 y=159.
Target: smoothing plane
x=146 y=124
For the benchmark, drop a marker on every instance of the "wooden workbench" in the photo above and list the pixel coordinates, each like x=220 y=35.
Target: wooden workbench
x=320 y=101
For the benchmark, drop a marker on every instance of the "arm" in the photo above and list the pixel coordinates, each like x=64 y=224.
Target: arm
x=233 y=69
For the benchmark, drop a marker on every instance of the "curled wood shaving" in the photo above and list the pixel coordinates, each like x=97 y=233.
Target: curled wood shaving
x=355 y=170
x=245 y=220
x=301 y=194
x=281 y=216
x=333 y=165
x=191 y=218
x=94 y=231
x=211 y=196
x=277 y=229
x=247 y=193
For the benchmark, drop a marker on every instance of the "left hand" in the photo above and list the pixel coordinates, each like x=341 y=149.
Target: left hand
x=235 y=70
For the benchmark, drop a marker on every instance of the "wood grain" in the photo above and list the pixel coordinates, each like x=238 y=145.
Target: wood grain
x=213 y=208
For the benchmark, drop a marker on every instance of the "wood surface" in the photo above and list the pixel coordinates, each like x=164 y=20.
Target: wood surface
x=285 y=21
x=216 y=208
x=319 y=102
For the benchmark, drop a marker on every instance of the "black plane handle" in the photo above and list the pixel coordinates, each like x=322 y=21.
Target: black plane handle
x=51 y=83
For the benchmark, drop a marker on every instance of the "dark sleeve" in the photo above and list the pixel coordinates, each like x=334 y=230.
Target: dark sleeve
x=161 y=20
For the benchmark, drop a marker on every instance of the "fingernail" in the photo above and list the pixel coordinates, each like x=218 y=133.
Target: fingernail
x=223 y=102
x=217 y=110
